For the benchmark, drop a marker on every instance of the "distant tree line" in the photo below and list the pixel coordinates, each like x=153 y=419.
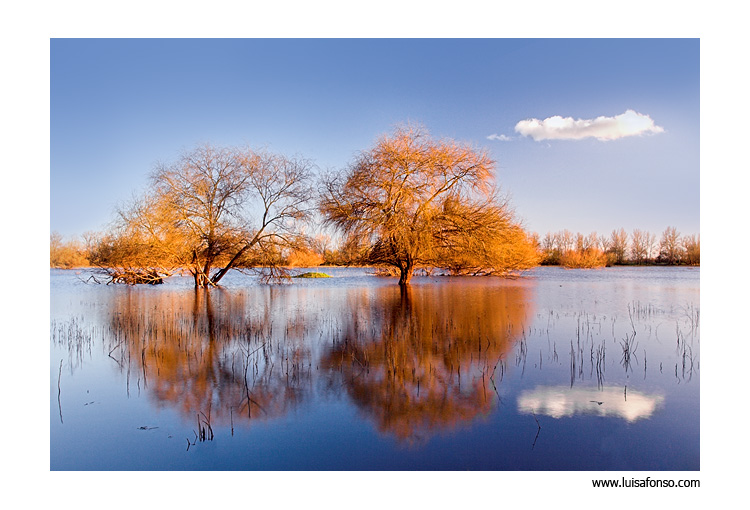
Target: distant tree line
x=561 y=248
x=67 y=254
x=620 y=248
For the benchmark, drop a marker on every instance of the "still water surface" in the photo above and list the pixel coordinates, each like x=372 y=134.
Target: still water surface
x=557 y=370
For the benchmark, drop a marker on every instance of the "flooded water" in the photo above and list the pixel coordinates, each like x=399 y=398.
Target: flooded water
x=557 y=370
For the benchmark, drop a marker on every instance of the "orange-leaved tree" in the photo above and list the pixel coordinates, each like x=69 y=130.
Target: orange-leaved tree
x=413 y=201
x=212 y=210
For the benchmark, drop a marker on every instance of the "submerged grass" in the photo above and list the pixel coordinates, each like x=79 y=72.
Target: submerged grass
x=313 y=275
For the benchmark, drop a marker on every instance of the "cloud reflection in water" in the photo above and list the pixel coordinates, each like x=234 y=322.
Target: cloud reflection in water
x=564 y=402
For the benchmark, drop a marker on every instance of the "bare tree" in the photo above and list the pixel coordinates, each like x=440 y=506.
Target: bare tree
x=670 y=249
x=548 y=243
x=691 y=246
x=215 y=209
x=650 y=245
x=619 y=245
x=413 y=201
x=55 y=245
x=642 y=246
x=565 y=241
x=590 y=241
x=603 y=243
x=581 y=242
x=549 y=248
x=639 y=249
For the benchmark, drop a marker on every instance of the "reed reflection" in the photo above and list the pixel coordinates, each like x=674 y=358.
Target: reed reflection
x=418 y=360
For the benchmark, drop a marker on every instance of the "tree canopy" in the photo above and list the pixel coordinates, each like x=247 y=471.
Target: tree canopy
x=413 y=201
x=213 y=209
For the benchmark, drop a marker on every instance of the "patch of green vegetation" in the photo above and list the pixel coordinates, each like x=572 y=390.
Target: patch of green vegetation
x=313 y=275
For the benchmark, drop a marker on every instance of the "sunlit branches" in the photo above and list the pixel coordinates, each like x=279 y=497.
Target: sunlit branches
x=213 y=209
x=414 y=200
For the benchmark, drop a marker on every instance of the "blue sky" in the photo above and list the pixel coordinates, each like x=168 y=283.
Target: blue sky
x=118 y=106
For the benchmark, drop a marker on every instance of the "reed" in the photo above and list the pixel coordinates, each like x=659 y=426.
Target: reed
x=59 y=391
x=600 y=364
x=538 y=430
x=205 y=432
x=629 y=347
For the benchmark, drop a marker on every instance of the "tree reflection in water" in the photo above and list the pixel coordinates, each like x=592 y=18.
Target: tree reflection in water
x=209 y=350
x=418 y=360
x=415 y=361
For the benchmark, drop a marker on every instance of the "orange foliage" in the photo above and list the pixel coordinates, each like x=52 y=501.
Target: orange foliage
x=416 y=202
x=303 y=257
x=586 y=259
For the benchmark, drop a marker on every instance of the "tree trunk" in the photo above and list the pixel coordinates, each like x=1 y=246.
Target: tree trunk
x=406 y=300
x=406 y=273
x=220 y=274
x=201 y=279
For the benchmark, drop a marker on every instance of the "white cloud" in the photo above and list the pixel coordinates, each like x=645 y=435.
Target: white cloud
x=500 y=138
x=630 y=123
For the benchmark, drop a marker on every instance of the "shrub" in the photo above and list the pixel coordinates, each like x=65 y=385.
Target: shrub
x=586 y=259
x=313 y=275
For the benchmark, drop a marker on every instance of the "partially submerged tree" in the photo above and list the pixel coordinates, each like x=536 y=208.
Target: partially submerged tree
x=212 y=210
x=413 y=201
